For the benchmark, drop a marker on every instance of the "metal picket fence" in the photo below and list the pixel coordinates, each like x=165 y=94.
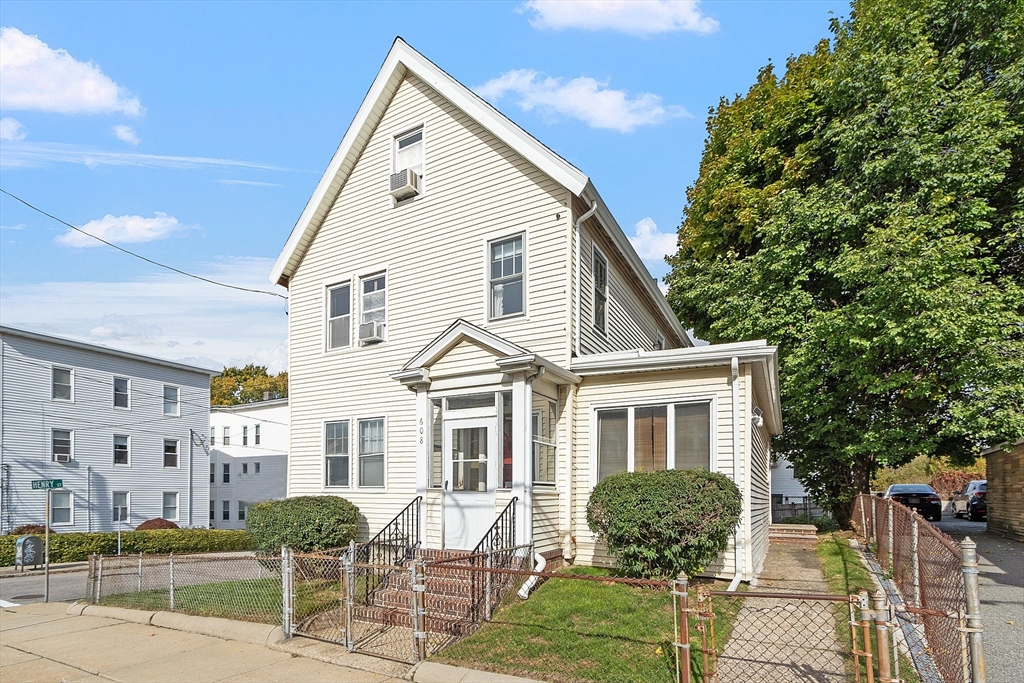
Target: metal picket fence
x=936 y=581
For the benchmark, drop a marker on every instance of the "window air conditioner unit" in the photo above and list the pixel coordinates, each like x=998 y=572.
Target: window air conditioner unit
x=371 y=333
x=62 y=457
x=405 y=184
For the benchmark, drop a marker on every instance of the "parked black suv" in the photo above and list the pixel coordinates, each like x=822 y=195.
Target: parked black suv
x=971 y=501
x=920 y=497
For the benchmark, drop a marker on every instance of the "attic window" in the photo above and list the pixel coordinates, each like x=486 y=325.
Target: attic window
x=408 y=154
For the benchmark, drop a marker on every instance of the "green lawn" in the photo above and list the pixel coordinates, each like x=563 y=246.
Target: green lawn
x=582 y=631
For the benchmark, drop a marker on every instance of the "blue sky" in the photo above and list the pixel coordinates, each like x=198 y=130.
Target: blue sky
x=194 y=133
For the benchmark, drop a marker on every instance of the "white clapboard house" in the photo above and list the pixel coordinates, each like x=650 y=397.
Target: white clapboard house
x=470 y=327
x=123 y=431
x=248 y=458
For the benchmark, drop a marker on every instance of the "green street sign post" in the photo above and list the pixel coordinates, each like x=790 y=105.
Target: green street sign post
x=48 y=485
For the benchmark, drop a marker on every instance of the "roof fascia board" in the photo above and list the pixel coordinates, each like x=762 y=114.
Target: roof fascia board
x=61 y=341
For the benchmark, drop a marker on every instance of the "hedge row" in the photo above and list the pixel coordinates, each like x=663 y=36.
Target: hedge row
x=305 y=523
x=76 y=547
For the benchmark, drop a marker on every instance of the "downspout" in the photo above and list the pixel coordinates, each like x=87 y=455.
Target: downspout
x=736 y=470
x=191 y=446
x=579 y=285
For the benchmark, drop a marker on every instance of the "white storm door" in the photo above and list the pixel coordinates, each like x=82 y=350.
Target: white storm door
x=470 y=457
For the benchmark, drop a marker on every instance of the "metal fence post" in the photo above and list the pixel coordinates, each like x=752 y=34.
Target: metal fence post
x=680 y=590
x=99 y=578
x=882 y=637
x=863 y=519
x=170 y=562
x=140 y=572
x=487 y=606
x=969 y=564
x=891 y=545
x=350 y=641
x=419 y=587
x=287 y=589
x=865 y=625
x=915 y=559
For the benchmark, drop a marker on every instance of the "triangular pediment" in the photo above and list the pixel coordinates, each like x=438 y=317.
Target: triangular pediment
x=464 y=341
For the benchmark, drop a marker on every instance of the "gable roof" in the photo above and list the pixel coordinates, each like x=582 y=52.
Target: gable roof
x=402 y=60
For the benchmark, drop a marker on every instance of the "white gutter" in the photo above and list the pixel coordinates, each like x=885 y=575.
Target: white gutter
x=579 y=258
x=736 y=471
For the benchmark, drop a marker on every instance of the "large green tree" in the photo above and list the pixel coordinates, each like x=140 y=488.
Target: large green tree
x=247 y=385
x=864 y=212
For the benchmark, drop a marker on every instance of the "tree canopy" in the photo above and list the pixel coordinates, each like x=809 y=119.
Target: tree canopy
x=864 y=212
x=246 y=385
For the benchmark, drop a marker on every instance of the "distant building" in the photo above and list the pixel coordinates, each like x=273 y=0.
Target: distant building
x=1005 y=496
x=786 y=488
x=248 y=459
x=122 y=430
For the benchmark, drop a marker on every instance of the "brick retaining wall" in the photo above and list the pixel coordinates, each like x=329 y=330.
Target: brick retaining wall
x=1005 y=498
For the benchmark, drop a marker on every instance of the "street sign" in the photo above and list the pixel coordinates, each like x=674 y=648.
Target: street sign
x=47 y=483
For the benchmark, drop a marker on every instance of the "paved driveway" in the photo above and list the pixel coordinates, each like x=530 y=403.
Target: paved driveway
x=1002 y=597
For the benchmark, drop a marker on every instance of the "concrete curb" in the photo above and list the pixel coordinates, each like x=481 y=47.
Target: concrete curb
x=243 y=631
x=432 y=672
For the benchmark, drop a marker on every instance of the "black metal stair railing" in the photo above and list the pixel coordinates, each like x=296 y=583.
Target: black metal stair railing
x=393 y=545
x=502 y=533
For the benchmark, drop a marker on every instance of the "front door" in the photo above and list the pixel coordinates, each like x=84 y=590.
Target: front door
x=470 y=471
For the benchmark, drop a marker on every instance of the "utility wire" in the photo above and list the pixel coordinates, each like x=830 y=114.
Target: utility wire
x=140 y=256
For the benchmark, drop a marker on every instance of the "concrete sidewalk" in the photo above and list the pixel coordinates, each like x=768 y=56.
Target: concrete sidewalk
x=58 y=642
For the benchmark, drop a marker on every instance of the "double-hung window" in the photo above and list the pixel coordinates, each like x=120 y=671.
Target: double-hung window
x=62 y=507
x=213 y=437
x=256 y=435
x=373 y=308
x=339 y=316
x=213 y=473
x=171 y=400
x=226 y=437
x=226 y=479
x=245 y=435
x=600 y=304
x=212 y=510
x=61 y=384
x=653 y=437
x=245 y=468
x=226 y=512
x=170 y=453
x=336 y=453
x=122 y=452
x=409 y=153
x=242 y=507
x=256 y=468
x=371 y=452
x=544 y=448
x=121 y=509
x=506 y=277
x=60 y=445
x=170 y=507
x=122 y=388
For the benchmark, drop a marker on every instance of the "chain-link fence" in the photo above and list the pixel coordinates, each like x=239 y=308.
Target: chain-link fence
x=243 y=586
x=933 y=578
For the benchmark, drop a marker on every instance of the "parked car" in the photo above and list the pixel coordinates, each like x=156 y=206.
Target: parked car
x=971 y=501
x=919 y=497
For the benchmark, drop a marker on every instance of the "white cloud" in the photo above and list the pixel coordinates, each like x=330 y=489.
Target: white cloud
x=254 y=183
x=144 y=315
x=122 y=230
x=583 y=98
x=635 y=17
x=36 y=77
x=650 y=243
x=11 y=129
x=126 y=134
x=19 y=226
x=31 y=155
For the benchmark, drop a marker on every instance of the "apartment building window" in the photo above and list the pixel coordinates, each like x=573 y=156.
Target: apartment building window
x=226 y=478
x=170 y=508
x=122 y=388
x=409 y=153
x=373 y=307
x=171 y=400
x=226 y=436
x=213 y=473
x=256 y=435
x=170 y=453
x=61 y=445
x=336 y=453
x=245 y=435
x=256 y=467
x=544 y=449
x=600 y=309
x=339 y=316
x=506 y=277
x=245 y=468
x=226 y=511
x=242 y=509
x=213 y=437
x=213 y=508
x=121 y=512
x=653 y=437
x=371 y=452
x=62 y=507
x=61 y=385
x=122 y=452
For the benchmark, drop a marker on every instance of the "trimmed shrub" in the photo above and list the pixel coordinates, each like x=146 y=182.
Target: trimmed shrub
x=305 y=523
x=658 y=524
x=76 y=547
x=29 y=529
x=156 y=523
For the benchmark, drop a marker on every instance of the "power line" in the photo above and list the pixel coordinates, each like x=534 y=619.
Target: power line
x=140 y=256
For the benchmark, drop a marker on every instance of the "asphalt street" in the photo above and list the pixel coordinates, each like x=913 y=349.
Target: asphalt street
x=1001 y=582
x=23 y=590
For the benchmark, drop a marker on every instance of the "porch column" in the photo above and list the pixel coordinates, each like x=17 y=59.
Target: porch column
x=522 y=437
x=423 y=446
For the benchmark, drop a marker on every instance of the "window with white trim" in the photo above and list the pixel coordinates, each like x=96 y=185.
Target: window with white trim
x=121 y=506
x=545 y=451
x=243 y=507
x=213 y=473
x=171 y=400
x=409 y=152
x=122 y=451
x=245 y=468
x=339 y=316
x=226 y=436
x=371 y=452
x=213 y=437
x=505 y=276
x=170 y=453
x=61 y=384
x=122 y=392
x=336 y=444
x=600 y=282
x=226 y=478
x=61 y=445
x=373 y=305
x=256 y=435
x=256 y=468
x=664 y=436
x=226 y=512
x=245 y=435
x=170 y=506
x=213 y=508
x=62 y=507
